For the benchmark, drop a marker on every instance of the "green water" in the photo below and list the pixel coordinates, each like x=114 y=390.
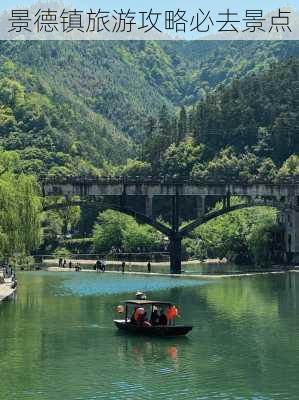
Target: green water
x=58 y=342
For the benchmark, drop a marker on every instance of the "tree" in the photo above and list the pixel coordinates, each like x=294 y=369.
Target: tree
x=235 y=235
x=289 y=167
x=261 y=243
x=119 y=231
x=267 y=170
x=70 y=217
x=158 y=137
x=264 y=146
x=137 y=168
x=182 y=125
x=140 y=238
x=52 y=225
x=180 y=158
x=20 y=210
x=108 y=231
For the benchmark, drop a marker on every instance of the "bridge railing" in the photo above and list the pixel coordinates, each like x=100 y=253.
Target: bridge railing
x=165 y=179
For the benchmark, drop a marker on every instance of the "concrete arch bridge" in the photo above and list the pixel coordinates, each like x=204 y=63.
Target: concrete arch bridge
x=138 y=196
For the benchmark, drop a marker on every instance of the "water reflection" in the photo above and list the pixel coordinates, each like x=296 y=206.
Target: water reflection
x=143 y=349
x=244 y=345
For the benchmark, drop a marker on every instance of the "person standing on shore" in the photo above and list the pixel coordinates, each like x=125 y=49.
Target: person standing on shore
x=149 y=267
x=98 y=265
x=123 y=264
x=77 y=267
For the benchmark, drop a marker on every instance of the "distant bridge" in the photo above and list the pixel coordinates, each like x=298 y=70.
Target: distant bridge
x=283 y=195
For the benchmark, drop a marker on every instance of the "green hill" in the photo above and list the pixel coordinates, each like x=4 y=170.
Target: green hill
x=258 y=114
x=247 y=127
x=77 y=107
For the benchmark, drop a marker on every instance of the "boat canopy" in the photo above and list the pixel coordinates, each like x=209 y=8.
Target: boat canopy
x=147 y=302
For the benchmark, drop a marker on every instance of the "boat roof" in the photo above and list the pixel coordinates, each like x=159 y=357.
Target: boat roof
x=145 y=302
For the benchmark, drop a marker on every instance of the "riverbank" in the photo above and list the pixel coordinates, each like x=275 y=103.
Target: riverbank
x=188 y=276
x=115 y=263
x=209 y=268
x=193 y=267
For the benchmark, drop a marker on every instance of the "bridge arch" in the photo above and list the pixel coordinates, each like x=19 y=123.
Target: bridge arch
x=285 y=192
x=218 y=213
x=175 y=236
x=125 y=210
x=158 y=225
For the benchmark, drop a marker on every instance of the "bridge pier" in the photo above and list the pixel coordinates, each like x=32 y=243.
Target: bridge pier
x=282 y=195
x=226 y=201
x=290 y=220
x=175 y=239
x=200 y=206
x=149 y=206
x=175 y=249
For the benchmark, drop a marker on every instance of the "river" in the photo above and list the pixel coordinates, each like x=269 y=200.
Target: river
x=58 y=341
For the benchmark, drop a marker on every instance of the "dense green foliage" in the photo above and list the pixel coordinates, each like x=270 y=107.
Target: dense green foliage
x=258 y=114
x=116 y=231
x=246 y=129
x=197 y=109
x=20 y=210
x=53 y=134
x=79 y=107
x=244 y=237
x=290 y=167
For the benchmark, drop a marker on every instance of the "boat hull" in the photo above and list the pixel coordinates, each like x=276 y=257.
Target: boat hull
x=169 y=330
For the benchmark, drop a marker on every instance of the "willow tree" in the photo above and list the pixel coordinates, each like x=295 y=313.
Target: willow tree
x=20 y=207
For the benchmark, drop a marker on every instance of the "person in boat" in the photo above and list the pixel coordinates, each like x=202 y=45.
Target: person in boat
x=140 y=295
x=162 y=318
x=171 y=313
x=154 y=320
x=134 y=317
x=142 y=318
x=137 y=312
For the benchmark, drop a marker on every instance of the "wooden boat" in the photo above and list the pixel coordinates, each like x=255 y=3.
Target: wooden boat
x=153 y=330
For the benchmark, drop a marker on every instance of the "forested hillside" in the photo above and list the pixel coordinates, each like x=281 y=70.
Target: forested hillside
x=259 y=114
x=148 y=108
x=53 y=133
x=246 y=128
x=84 y=107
